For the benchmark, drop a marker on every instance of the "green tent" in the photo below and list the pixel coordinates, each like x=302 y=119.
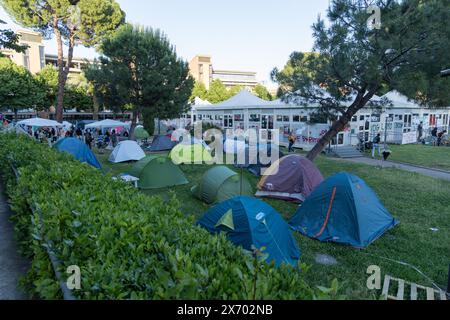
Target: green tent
x=140 y=133
x=190 y=153
x=157 y=172
x=219 y=184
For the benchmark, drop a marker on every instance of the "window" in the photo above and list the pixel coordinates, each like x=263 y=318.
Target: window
x=361 y=118
x=228 y=121
x=238 y=117
x=354 y=118
x=255 y=118
x=26 y=59
x=279 y=118
x=285 y=118
x=304 y=119
x=296 y=118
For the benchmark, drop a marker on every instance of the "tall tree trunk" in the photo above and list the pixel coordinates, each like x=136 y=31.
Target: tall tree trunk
x=95 y=106
x=133 y=123
x=339 y=125
x=63 y=70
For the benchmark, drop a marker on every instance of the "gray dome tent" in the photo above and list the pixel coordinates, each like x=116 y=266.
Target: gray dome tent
x=219 y=184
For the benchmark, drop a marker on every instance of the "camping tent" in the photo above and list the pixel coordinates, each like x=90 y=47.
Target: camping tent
x=157 y=172
x=162 y=143
x=345 y=210
x=127 y=150
x=253 y=160
x=291 y=178
x=140 y=133
x=219 y=184
x=250 y=222
x=39 y=122
x=190 y=153
x=79 y=150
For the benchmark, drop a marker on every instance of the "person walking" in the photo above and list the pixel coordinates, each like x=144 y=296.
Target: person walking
x=291 y=139
x=376 y=145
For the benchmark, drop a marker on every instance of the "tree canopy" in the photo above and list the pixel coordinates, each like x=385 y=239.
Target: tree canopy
x=85 y=22
x=140 y=70
x=10 y=40
x=262 y=92
x=353 y=59
x=19 y=89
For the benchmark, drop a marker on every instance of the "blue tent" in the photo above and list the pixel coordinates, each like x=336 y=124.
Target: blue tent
x=251 y=222
x=79 y=150
x=343 y=209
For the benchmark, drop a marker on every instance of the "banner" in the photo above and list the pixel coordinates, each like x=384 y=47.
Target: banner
x=409 y=137
x=312 y=133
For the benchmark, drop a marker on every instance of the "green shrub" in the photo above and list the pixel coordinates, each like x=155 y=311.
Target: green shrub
x=127 y=244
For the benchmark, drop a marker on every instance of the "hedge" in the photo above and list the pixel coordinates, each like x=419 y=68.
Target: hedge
x=128 y=245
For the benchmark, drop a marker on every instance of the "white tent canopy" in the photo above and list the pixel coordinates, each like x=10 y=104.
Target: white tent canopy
x=126 y=151
x=106 y=124
x=39 y=122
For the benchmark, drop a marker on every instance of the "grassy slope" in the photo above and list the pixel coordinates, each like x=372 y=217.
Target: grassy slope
x=419 y=202
x=428 y=156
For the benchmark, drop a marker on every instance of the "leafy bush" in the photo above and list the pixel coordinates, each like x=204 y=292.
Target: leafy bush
x=127 y=244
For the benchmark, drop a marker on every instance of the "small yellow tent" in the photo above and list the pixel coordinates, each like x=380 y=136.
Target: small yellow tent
x=190 y=154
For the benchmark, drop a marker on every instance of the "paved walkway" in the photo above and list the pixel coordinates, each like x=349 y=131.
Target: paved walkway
x=12 y=264
x=434 y=173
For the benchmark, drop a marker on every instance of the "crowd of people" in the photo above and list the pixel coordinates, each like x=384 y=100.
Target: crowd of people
x=102 y=138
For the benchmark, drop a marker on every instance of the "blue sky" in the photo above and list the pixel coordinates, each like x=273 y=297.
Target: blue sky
x=248 y=35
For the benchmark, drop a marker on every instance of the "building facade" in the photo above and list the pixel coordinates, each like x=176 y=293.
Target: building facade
x=202 y=70
x=397 y=123
x=35 y=59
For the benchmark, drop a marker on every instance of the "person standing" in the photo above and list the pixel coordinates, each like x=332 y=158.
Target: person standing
x=114 y=138
x=291 y=139
x=88 y=139
x=420 y=130
x=434 y=137
x=376 y=145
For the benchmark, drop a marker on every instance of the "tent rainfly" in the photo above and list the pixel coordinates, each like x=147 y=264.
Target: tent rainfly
x=190 y=153
x=157 y=172
x=249 y=222
x=162 y=143
x=345 y=210
x=291 y=178
x=219 y=184
x=78 y=150
x=127 y=150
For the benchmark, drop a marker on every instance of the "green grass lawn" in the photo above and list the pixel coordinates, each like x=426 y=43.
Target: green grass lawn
x=427 y=156
x=419 y=202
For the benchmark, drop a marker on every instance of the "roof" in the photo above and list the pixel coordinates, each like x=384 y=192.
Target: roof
x=242 y=99
x=400 y=101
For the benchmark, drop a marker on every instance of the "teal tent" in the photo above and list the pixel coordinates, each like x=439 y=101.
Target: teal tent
x=78 y=150
x=252 y=223
x=343 y=209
